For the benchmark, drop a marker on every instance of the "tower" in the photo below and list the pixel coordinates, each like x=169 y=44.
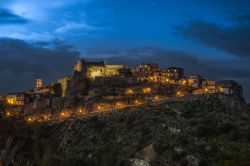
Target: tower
x=39 y=83
x=78 y=66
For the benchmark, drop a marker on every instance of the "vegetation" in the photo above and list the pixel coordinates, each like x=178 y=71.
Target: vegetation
x=204 y=132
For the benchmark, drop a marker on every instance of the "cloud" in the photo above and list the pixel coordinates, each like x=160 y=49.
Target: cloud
x=21 y=63
x=62 y=19
x=234 y=39
x=38 y=10
x=6 y=17
x=71 y=26
x=27 y=35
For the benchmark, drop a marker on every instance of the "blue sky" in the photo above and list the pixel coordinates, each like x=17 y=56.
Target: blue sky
x=211 y=37
x=110 y=24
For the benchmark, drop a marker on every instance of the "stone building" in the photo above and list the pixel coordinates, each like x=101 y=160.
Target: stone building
x=159 y=76
x=194 y=81
x=145 y=70
x=168 y=75
x=209 y=86
x=16 y=99
x=86 y=72
x=229 y=87
x=174 y=73
x=92 y=70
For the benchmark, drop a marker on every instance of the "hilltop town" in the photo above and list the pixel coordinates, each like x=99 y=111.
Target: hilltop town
x=97 y=87
x=115 y=115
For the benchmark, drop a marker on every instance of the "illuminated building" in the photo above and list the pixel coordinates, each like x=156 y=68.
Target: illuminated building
x=113 y=70
x=194 y=81
x=159 y=76
x=92 y=70
x=15 y=99
x=209 y=86
x=167 y=75
x=39 y=83
x=145 y=70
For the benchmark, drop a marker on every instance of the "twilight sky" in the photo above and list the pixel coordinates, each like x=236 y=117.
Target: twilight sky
x=45 y=38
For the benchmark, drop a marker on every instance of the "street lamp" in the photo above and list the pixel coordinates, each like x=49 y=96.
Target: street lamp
x=147 y=90
x=130 y=91
x=99 y=108
x=206 y=90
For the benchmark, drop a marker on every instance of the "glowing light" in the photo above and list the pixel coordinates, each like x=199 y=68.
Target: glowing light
x=178 y=93
x=94 y=74
x=130 y=91
x=206 y=90
x=118 y=104
x=62 y=113
x=147 y=90
x=156 y=97
x=11 y=101
x=29 y=119
x=8 y=113
x=184 y=82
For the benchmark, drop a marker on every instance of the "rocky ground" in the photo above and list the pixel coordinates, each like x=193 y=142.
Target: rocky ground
x=176 y=133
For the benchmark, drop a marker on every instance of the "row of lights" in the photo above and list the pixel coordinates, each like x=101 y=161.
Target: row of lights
x=66 y=114
x=145 y=90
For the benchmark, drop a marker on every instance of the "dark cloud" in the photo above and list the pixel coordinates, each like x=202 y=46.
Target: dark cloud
x=234 y=40
x=21 y=63
x=219 y=69
x=6 y=17
x=233 y=37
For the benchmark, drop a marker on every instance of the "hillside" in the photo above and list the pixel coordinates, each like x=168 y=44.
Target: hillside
x=200 y=132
